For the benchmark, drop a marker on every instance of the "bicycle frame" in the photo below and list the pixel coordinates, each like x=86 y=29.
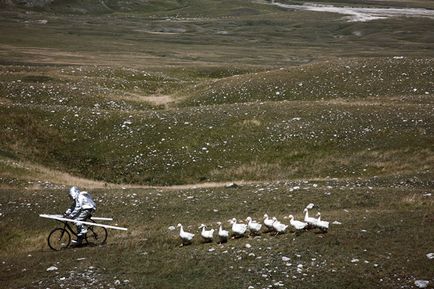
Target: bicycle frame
x=68 y=227
x=96 y=234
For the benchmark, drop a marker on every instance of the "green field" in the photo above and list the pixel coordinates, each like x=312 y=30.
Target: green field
x=155 y=106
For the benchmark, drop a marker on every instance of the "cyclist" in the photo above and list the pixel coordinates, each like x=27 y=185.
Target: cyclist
x=81 y=209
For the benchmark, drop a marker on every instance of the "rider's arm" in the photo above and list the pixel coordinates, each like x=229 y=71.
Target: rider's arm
x=69 y=211
x=77 y=208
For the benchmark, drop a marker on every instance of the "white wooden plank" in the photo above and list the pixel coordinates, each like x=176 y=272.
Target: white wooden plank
x=59 y=218
x=102 y=219
x=93 y=218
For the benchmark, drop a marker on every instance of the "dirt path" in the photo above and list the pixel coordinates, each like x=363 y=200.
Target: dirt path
x=38 y=174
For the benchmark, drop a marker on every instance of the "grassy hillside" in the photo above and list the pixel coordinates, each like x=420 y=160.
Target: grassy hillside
x=154 y=106
x=341 y=118
x=379 y=243
x=347 y=79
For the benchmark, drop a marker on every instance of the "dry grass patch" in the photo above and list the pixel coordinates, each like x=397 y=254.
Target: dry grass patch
x=257 y=170
x=418 y=199
x=251 y=123
x=31 y=172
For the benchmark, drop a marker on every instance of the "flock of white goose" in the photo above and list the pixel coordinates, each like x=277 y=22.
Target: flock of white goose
x=254 y=228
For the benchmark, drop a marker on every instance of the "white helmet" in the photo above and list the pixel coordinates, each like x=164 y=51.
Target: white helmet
x=73 y=192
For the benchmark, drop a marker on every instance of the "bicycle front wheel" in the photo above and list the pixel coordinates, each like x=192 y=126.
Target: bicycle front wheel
x=59 y=239
x=96 y=235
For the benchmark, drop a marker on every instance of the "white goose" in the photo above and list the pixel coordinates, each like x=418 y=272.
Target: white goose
x=207 y=235
x=238 y=229
x=186 y=237
x=268 y=222
x=310 y=206
x=254 y=227
x=298 y=225
x=223 y=234
x=278 y=226
x=322 y=225
x=309 y=220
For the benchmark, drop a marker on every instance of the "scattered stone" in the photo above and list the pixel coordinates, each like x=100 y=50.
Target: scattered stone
x=231 y=186
x=285 y=259
x=52 y=268
x=171 y=228
x=421 y=283
x=430 y=255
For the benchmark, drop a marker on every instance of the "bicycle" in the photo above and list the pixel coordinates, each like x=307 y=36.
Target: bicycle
x=60 y=237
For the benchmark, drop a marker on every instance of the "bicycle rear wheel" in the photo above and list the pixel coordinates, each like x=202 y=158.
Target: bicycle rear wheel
x=59 y=239
x=96 y=235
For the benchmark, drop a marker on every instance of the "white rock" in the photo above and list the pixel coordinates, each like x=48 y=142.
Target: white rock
x=285 y=259
x=171 y=228
x=248 y=246
x=421 y=283
x=52 y=268
x=430 y=255
x=355 y=260
x=337 y=223
x=231 y=185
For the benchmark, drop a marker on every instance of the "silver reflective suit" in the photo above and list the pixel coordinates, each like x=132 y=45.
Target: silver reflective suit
x=81 y=209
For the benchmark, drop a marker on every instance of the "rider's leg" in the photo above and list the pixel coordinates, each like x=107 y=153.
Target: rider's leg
x=82 y=228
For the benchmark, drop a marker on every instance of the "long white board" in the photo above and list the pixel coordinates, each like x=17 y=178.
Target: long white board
x=61 y=218
x=101 y=219
x=93 y=218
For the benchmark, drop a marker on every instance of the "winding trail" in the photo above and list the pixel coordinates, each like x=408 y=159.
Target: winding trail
x=360 y=14
x=38 y=175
